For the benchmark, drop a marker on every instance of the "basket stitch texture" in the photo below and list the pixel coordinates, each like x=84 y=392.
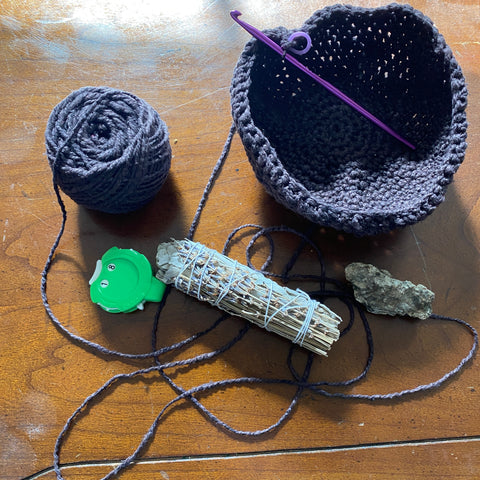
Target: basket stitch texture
x=320 y=158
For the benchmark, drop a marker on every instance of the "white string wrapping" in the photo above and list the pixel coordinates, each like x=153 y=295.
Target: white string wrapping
x=239 y=290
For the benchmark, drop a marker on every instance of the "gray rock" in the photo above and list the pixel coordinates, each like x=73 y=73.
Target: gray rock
x=385 y=295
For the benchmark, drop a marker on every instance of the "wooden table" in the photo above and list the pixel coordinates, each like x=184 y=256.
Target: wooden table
x=180 y=59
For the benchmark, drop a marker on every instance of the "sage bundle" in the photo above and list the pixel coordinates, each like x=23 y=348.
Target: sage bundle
x=241 y=291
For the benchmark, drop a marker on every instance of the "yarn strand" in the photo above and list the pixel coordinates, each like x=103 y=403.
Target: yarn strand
x=299 y=382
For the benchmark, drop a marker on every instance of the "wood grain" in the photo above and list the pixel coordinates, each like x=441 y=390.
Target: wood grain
x=180 y=60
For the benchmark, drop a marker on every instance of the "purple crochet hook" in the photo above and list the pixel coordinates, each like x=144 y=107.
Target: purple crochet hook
x=277 y=48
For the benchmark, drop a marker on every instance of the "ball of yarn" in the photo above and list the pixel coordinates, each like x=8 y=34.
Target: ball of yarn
x=108 y=149
x=322 y=159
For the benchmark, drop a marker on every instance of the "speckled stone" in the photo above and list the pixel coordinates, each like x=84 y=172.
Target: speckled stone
x=380 y=293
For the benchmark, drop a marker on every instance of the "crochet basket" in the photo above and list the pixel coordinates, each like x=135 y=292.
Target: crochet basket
x=320 y=158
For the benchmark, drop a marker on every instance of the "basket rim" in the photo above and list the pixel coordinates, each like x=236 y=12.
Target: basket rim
x=359 y=221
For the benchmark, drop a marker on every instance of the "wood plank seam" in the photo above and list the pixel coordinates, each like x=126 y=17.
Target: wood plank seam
x=266 y=453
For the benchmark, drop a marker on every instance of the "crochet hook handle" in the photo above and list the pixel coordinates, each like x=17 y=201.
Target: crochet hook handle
x=338 y=93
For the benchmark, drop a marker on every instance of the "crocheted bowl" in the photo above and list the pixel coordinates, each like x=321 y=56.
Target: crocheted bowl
x=317 y=156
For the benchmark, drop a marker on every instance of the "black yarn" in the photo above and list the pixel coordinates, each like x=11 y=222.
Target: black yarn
x=316 y=157
x=328 y=288
x=320 y=158
x=108 y=149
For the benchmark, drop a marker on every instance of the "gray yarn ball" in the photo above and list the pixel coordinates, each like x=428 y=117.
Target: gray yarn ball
x=108 y=149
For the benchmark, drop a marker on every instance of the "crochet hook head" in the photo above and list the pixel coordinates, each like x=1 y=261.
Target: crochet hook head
x=331 y=88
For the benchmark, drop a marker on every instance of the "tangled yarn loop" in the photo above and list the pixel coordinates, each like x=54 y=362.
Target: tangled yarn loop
x=108 y=149
x=300 y=380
